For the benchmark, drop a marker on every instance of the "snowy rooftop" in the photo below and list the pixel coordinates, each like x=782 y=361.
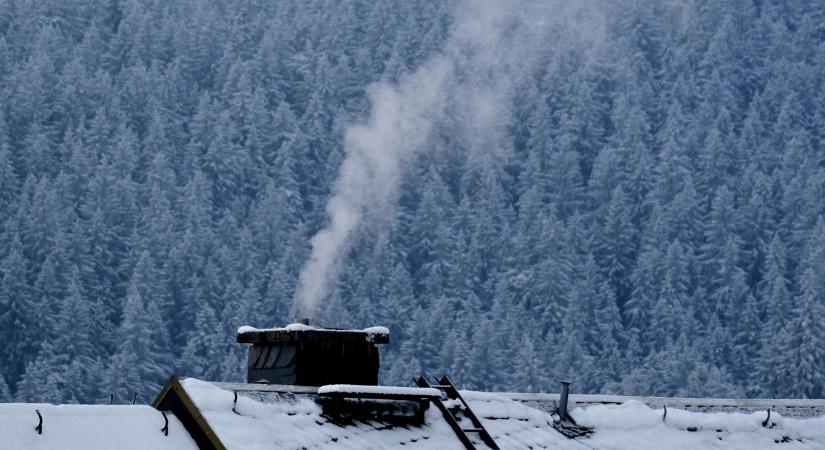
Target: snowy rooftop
x=275 y=420
x=267 y=417
x=90 y=427
x=291 y=417
x=302 y=332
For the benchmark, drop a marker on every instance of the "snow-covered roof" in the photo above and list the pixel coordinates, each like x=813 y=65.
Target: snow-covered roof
x=90 y=427
x=357 y=389
x=290 y=417
x=634 y=425
x=786 y=407
x=276 y=420
x=275 y=417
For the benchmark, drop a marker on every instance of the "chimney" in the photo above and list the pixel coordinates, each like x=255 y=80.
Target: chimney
x=300 y=354
x=563 y=397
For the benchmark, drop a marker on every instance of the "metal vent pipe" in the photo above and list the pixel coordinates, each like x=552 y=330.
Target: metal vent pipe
x=565 y=392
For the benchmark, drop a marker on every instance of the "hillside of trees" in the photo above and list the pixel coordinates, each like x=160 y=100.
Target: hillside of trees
x=653 y=223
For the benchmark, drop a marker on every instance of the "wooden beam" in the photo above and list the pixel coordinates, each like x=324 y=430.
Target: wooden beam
x=173 y=397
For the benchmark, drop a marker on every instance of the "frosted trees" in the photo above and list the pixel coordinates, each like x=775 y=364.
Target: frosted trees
x=141 y=361
x=803 y=354
x=16 y=316
x=204 y=347
x=69 y=363
x=5 y=392
x=776 y=301
x=657 y=184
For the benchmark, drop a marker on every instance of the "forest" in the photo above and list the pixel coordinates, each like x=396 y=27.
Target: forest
x=649 y=219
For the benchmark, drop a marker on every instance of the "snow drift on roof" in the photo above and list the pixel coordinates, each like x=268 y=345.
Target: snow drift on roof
x=303 y=327
x=275 y=420
x=386 y=390
x=635 y=425
x=89 y=427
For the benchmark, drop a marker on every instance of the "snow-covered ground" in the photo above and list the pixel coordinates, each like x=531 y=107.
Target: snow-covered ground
x=89 y=427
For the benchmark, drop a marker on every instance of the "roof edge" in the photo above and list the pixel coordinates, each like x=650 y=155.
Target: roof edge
x=174 y=397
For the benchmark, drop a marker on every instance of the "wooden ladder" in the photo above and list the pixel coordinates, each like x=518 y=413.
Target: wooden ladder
x=454 y=415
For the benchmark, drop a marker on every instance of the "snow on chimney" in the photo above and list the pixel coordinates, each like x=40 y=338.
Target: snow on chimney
x=300 y=354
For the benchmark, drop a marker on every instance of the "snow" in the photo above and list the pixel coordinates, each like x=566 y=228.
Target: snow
x=787 y=407
x=383 y=390
x=298 y=327
x=275 y=419
x=303 y=327
x=377 y=330
x=89 y=427
x=371 y=332
x=289 y=421
x=635 y=425
x=514 y=425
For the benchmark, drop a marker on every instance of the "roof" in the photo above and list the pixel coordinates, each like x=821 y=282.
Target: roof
x=268 y=419
x=786 y=407
x=634 y=425
x=90 y=427
x=290 y=417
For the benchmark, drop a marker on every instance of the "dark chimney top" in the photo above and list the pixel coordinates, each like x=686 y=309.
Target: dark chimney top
x=299 y=354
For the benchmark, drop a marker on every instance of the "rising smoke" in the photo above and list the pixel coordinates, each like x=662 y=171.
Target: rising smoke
x=491 y=46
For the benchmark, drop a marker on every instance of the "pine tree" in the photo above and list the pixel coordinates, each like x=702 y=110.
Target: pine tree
x=141 y=361
x=684 y=156
x=528 y=370
x=16 y=307
x=5 y=392
x=203 y=348
x=776 y=298
x=69 y=359
x=803 y=354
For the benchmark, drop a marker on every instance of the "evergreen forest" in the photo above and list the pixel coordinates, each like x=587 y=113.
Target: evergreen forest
x=650 y=219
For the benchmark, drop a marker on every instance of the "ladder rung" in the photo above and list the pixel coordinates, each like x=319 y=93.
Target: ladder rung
x=472 y=430
x=442 y=386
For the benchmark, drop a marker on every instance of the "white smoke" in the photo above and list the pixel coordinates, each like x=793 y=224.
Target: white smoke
x=491 y=46
x=399 y=124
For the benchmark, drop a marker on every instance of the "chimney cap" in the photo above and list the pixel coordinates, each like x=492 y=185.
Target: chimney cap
x=305 y=333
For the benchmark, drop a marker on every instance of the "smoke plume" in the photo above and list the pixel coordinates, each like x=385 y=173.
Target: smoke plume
x=492 y=44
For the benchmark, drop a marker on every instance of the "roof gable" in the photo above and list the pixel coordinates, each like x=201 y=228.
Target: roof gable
x=173 y=397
